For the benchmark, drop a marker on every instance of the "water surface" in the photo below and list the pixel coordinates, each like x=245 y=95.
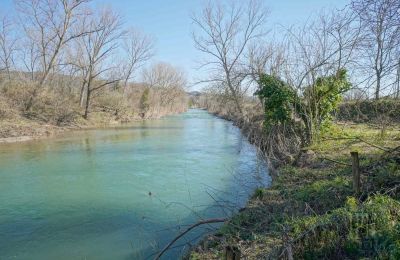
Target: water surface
x=122 y=193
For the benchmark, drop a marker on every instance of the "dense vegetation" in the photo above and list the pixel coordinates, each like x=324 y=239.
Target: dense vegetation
x=64 y=64
x=327 y=88
x=311 y=210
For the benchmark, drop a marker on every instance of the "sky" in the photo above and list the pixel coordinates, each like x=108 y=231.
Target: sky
x=169 y=23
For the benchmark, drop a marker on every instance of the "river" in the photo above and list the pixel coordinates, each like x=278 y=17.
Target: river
x=123 y=192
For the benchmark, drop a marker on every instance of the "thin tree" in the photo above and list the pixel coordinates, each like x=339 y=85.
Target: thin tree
x=49 y=25
x=167 y=80
x=380 y=22
x=224 y=33
x=7 y=46
x=397 y=82
x=321 y=48
x=97 y=48
x=138 y=48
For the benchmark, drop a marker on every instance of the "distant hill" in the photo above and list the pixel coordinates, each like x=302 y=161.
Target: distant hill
x=194 y=93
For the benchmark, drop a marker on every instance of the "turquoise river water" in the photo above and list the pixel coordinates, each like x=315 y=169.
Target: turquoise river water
x=124 y=192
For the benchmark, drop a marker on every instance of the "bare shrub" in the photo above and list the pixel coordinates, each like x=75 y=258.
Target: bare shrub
x=115 y=103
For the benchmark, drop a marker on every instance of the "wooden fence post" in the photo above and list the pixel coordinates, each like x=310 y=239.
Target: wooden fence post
x=356 y=172
x=232 y=253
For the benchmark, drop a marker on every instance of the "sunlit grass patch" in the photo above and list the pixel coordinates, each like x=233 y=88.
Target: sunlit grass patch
x=343 y=138
x=325 y=194
x=370 y=229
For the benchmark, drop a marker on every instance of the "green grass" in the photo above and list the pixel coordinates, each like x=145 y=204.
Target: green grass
x=357 y=230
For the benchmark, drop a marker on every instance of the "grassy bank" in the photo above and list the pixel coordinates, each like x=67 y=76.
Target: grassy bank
x=311 y=210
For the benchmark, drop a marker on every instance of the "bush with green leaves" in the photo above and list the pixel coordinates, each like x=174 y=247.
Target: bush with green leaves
x=278 y=99
x=322 y=98
x=314 y=106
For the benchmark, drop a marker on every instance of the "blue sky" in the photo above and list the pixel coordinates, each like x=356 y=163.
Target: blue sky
x=168 y=21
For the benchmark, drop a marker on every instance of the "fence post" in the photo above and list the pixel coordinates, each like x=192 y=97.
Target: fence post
x=232 y=253
x=356 y=172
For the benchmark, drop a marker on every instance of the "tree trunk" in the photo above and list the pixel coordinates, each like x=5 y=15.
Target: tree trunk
x=397 y=96
x=125 y=85
x=82 y=94
x=378 y=86
x=8 y=73
x=88 y=92
x=233 y=92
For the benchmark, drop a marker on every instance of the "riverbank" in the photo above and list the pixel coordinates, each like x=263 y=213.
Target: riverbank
x=310 y=210
x=20 y=129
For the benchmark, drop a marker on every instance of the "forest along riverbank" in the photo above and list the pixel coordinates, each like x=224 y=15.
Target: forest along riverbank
x=124 y=192
x=67 y=102
x=311 y=207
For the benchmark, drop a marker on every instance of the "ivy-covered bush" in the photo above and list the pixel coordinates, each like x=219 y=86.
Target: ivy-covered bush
x=278 y=99
x=314 y=106
x=322 y=98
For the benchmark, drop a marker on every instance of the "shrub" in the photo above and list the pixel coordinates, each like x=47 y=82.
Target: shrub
x=370 y=111
x=370 y=230
x=54 y=107
x=322 y=98
x=113 y=102
x=314 y=106
x=278 y=99
x=6 y=111
x=17 y=93
x=144 y=103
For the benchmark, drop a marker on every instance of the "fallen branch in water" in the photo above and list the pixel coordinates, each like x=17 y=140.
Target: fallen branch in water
x=207 y=221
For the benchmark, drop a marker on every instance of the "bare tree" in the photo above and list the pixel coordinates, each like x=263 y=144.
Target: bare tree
x=77 y=58
x=168 y=81
x=29 y=57
x=397 y=58
x=65 y=60
x=50 y=26
x=97 y=48
x=380 y=22
x=224 y=33
x=319 y=49
x=138 y=49
x=266 y=58
x=7 y=46
x=397 y=82
x=164 y=75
